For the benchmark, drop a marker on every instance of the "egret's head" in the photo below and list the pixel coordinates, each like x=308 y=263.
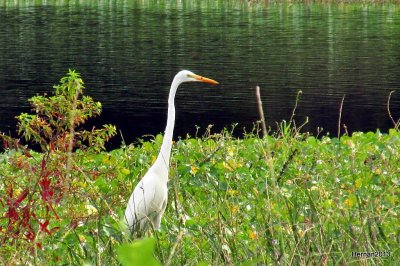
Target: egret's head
x=187 y=76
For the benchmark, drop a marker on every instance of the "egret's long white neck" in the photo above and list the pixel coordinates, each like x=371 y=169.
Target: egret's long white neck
x=165 y=152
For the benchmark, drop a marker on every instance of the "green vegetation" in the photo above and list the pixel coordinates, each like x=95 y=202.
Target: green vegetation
x=288 y=197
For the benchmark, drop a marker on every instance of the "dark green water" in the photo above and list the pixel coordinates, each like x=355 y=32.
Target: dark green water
x=128 y=53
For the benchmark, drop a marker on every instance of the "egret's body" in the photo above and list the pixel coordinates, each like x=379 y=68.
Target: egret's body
x=149 y=198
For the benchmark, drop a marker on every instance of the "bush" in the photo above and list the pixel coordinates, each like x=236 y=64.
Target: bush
x=43 y=189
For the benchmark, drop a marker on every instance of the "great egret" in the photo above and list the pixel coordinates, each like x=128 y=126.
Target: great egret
x=149 y=198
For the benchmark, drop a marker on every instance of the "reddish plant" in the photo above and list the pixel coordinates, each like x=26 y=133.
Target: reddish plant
x=36 y=183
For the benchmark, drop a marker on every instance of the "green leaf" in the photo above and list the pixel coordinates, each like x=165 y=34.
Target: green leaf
x=139 y=252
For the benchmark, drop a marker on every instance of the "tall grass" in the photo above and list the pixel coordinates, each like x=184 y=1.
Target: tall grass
x=277 y=200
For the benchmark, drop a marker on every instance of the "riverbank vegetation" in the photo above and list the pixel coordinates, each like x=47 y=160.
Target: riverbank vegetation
x=287 y=198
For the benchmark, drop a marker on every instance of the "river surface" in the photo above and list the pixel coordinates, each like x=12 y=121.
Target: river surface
x=128 y=52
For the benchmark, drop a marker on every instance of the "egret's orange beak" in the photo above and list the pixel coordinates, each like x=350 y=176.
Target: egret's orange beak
x=204 y=79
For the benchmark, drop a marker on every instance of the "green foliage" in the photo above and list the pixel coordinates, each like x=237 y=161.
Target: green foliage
x=329 y=197
x=139 y=252
x=56 y=118
x=47 y=196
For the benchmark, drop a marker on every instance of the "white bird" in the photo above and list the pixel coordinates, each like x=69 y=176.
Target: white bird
x=149 y=198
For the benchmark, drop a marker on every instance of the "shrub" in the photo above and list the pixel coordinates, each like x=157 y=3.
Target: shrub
x=42 y=188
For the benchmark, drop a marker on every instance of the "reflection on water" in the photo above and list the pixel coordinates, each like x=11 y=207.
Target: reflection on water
x=128 y=53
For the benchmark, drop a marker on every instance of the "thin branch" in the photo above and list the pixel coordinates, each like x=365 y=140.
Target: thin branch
x=171 y=255
x=261 y=111
x=72 y=127
x=340 y=116
x=299 y=93
x=395 y=124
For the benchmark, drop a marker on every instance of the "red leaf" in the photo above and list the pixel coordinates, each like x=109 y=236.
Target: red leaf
x=26 y=216
x=21 y=197
x=10 y=228
x=14 y=204
x=30 y=235
x=12 y=214
x=43 y=165
x=43 y=227
x=46 y=192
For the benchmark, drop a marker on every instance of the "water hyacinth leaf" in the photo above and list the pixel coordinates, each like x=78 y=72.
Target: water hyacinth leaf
x=101 y=184
x=139 y=252
x=124 y=172
x=223 y=185
x=350 y=201
x=358 y=183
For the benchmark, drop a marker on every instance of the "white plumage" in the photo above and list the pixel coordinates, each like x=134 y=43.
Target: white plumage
x=150 y=196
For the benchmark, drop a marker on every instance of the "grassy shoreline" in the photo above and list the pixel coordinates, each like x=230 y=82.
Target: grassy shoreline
x=289 y=198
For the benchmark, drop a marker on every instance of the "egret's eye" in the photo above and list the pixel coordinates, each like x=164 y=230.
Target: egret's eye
x=189 y=76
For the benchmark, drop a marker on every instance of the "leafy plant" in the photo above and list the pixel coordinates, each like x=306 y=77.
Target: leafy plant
x=139 y=252
x=54 y=126
x=40 y=187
